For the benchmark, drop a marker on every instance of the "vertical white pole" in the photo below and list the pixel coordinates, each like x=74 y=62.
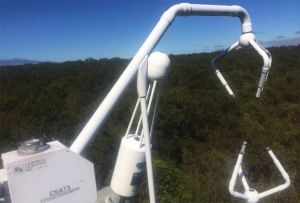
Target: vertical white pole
x=147 y=150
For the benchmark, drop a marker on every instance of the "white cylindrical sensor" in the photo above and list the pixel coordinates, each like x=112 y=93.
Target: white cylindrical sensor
x=129 y=167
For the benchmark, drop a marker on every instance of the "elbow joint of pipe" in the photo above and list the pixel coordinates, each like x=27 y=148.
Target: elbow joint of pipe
x=216 y=59
x=287 y=180
x=266 y=56
x=177 y=9
x=230 y=188
x=245 y=19
x=235 y=193
x=267 y=62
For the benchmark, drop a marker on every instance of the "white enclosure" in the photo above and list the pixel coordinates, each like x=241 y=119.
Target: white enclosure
x=56 y=175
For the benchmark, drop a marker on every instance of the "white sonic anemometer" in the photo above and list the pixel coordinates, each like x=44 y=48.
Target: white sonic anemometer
x=41 y=172
x=250 y=195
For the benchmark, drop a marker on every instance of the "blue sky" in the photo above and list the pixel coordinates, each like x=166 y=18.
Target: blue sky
x=60 y=30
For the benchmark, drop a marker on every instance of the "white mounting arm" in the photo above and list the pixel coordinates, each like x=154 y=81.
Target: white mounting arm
x=165 y=21
x=217 y=71
x=247 y=39
x=234 y=176
x=283 y=173
x=142 y=89
x=250 y=194
x=267 y=58
x=244 y=181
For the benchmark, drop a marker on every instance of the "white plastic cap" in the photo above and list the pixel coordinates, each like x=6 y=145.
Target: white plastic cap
x=158 y=64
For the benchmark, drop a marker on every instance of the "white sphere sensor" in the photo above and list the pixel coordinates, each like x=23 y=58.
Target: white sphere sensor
x=158 y=64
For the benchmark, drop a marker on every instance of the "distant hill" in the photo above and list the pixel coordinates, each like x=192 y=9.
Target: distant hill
x=17 y=61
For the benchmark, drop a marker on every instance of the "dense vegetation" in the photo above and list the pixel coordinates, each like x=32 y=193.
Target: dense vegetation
x=199 y=128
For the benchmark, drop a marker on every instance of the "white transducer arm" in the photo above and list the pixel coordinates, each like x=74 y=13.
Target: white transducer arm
x=216 y=69
x=165 y=21
x=246 y=39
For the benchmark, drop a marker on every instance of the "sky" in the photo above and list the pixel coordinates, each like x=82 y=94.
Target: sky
x=60 y=30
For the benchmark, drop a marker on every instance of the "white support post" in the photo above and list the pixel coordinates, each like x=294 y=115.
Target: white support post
x=141 y=89
x=244 y=181
x=235 y=174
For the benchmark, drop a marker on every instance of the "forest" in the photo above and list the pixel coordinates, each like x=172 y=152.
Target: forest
x=199 y=128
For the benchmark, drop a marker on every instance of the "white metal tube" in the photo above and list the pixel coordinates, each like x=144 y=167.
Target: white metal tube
x=265 y=69
x=224 y=83
x=151 y=96
x=217 y=71
x=141 y=85
x=244 y=181
x=142 y=92
x=147 y=150
x=185 y=9
x=180 y=9
x=221 y=55
x=132 y=116
x=235 y=174
x=148 y=108
x=267 y=52
x=140 y=118
x=279 y=166
x=283 y=173
x=154 y=112
x=138 y=125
